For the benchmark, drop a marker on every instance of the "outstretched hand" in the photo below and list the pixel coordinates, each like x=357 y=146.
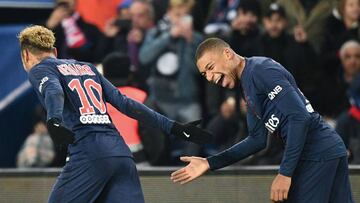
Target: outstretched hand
x=58 y=133
x=196 y=167
x=190 y=132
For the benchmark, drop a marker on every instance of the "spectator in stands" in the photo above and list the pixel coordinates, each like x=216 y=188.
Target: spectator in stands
x=348 y=123
x=309 y=16
x=294 y=52
x=168 y=50
x=37 y=150
x=221 y=14
x=116 y=30
x=245 y=37
x=126 y=35
x=199 y=12
x=340 y=27
x=75 y=38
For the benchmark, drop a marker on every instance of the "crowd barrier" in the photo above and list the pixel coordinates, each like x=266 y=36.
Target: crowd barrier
x=231 y=185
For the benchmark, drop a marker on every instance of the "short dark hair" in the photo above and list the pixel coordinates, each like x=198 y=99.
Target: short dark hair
x=210 y=44
x=252 y=6
x=275 y=8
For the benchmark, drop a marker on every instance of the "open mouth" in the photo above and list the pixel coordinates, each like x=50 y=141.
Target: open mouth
x=220 y=79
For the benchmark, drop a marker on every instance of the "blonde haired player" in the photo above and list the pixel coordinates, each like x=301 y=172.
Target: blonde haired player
x=74 y=94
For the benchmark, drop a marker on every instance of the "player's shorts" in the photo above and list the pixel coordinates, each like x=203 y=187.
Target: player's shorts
x=110 y=179
x=321 y=182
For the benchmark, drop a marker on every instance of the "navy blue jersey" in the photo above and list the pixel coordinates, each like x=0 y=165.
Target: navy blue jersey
x=276 y=106
x=76 y=94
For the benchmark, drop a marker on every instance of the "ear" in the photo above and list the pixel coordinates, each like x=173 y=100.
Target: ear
x=228 y=53
x=26 y=55
x=55 y=52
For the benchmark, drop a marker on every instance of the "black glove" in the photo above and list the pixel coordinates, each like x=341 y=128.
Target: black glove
x=59 y=134
x=190 y=132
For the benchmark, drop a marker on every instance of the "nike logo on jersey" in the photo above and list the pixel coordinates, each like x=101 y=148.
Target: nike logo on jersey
x=274 y=92
x=186 y=135
x=272 y=123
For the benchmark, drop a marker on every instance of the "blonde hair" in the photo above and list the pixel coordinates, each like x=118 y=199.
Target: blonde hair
x=178 y=3
x=37 y=39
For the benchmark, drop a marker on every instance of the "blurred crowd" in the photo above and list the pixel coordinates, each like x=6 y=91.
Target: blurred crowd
x=146 y=48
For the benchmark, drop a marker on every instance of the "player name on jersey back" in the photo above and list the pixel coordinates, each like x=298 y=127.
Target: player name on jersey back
x=75 y=69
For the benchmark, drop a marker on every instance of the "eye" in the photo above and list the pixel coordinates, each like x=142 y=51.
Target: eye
x=210 y=67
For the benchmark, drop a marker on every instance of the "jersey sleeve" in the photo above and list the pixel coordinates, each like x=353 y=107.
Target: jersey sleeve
x=47 y=86
x=255 y=142
x=288 y=101
x=134 y=109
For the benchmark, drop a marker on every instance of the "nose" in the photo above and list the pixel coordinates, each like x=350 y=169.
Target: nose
x=209 y=76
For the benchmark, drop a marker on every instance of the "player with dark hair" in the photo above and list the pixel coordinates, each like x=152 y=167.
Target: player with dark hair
x=314 y=167
x=100 y=166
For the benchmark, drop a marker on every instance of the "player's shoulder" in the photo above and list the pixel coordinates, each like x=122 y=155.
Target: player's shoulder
x=44 y=67
x=263 y=66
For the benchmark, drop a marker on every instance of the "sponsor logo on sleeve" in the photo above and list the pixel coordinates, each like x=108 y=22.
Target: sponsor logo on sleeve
x=43 y=80
x=272 y=123
x=308 y=106
x=274 y=92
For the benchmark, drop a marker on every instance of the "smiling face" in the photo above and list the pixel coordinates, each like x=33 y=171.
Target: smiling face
x=274 y=25
x=352 y=9
x=220 y=66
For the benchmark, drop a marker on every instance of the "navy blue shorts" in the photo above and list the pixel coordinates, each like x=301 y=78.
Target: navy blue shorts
x=321 y=182
x=110 y=179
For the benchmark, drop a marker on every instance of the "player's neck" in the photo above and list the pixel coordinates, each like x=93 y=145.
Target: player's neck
x=42 y=57
x=241 y=66
x=37 y=59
